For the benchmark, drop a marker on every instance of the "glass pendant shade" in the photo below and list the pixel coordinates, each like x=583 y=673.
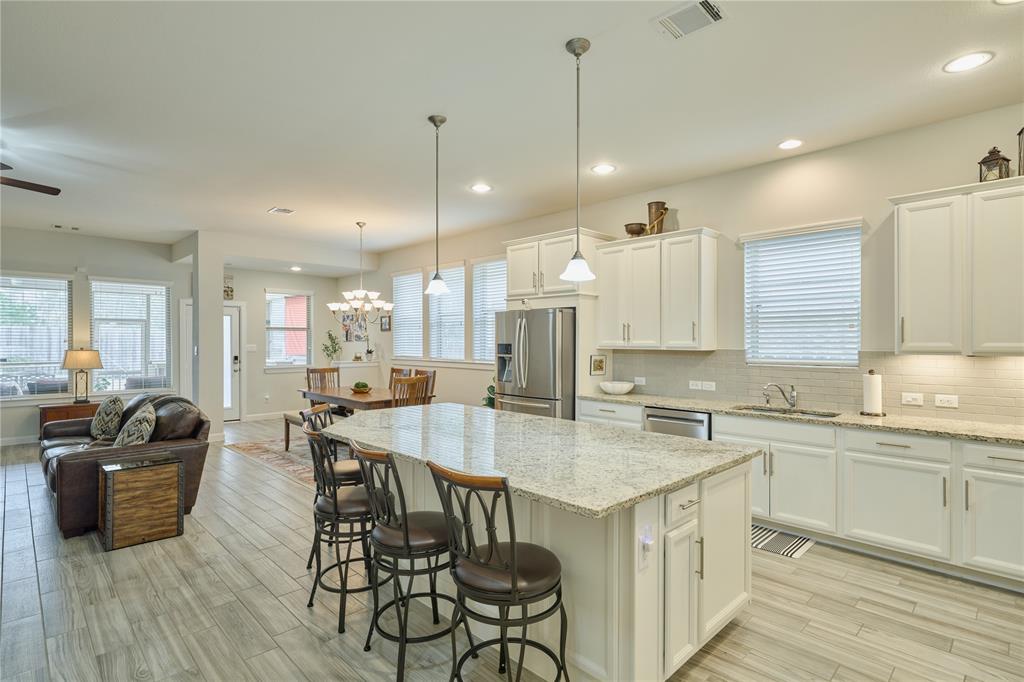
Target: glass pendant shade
x=344 y=307
x=388 y=307
x=372 y=295
x=334 y=307
x=359 y=293
x=348 y=295
x=577 y=270
x=437 y=286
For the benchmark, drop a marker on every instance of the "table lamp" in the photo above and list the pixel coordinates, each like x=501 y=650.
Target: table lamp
x=82 y=360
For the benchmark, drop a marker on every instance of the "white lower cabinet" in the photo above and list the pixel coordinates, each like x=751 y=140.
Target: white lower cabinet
x=682 y=554
x=760 y=491
x=992 y=509
x=803 y=486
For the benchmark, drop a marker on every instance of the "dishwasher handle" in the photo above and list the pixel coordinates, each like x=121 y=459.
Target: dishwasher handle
x=677 y=420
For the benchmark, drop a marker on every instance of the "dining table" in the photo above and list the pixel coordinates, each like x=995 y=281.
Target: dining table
x=375 y=399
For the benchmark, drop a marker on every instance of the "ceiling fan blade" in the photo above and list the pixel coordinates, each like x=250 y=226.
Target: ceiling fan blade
x=4 y=166
x=31 y=186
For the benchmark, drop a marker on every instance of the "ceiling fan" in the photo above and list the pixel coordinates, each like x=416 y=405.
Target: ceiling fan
x=31 y=186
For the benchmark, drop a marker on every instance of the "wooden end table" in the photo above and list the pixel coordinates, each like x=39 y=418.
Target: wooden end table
x=59 y=411
x=141 y=500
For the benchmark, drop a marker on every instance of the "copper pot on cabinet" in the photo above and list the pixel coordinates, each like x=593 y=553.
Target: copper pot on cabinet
x=656 y=212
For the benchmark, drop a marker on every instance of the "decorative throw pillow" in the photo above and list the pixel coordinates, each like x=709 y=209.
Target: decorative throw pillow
x=107 y=420
x=138 y=429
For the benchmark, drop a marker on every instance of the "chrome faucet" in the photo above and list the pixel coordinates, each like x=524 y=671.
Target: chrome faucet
x=790 y=399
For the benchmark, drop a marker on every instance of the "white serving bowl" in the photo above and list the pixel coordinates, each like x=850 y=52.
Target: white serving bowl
x=616 y=387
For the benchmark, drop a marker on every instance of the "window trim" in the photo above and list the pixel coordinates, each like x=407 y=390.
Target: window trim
x=310 y=361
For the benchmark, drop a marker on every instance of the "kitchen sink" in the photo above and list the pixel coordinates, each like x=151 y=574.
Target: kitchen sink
x=794 y=411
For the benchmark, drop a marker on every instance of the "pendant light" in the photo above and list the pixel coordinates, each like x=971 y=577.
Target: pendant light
x=577 y=269
x=437 y=285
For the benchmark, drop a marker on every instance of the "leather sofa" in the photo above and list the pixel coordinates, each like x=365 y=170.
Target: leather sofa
x=70 y=464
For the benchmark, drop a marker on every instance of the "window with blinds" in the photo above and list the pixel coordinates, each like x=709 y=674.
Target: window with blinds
x=802 y=298
x=407 y=317
x=35 y=330
x=131 y=328
x=288 y=329
x=489 y=287
x=448 y=317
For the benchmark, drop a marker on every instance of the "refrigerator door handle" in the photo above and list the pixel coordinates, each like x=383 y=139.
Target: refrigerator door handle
x=526 y=352
x=517 y=352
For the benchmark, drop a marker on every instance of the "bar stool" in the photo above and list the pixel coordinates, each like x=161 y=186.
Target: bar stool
x=337 y=510
x=505 y=575
x=346 y=469
x=401 y=535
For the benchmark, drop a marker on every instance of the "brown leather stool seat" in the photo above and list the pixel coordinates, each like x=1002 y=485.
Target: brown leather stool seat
x=427 y=531
x=538 y=570
x=347 y=469
x=352 y=501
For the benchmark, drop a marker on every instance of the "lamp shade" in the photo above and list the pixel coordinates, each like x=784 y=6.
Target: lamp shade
x=82 y=359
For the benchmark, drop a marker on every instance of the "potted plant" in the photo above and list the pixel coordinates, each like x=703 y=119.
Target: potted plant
x=332 y=349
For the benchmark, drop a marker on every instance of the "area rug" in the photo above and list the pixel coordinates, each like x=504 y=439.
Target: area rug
x=777 y=542
x=294 y=462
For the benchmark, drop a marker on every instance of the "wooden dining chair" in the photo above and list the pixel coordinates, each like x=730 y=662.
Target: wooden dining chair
x=317 y=378
x=409 y=391
x=397 y=372
x=431 y=375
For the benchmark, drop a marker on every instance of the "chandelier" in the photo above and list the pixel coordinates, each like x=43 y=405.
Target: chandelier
x=361 y=303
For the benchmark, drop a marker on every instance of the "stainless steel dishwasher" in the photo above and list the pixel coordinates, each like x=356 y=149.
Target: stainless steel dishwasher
x=678 y=422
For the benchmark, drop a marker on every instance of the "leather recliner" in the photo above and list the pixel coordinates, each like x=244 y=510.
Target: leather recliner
x=70 y=464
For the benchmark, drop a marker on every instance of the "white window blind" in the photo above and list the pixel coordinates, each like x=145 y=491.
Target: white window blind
x=288 y=322
x=448 y=317
x=35 y=330
x=489 y=287
x=131 y=328
x=802 y=298
x=407 y=317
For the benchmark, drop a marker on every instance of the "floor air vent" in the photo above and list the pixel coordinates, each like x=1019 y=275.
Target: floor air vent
x=687 y=18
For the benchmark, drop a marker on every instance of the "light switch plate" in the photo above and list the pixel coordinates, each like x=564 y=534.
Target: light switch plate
x=640 y=381
x=913 y=399
x=708 y=385
x=694 y=385
x=943 y=400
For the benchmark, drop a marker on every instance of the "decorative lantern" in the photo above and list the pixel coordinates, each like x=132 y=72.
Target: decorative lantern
x=1020 y=152
x=994 y=166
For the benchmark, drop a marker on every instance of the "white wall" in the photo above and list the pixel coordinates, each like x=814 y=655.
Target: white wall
x=82 y=256
x=842 y=182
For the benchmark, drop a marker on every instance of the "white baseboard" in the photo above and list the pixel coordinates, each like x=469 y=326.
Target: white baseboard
x=216 y=437
x=19 y=440
x=262 y=416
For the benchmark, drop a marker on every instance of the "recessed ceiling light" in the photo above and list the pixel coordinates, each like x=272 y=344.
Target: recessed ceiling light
x=295 y=268
x=603 y=168
x=790 y=144
x=968 y=62
x=481 y=188
x=280 y=211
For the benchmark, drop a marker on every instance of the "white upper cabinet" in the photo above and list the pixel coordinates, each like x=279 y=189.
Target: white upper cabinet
x=659 y=291
x=553 y=255
x=522 y=269
x=959 y=280
x=535 y=263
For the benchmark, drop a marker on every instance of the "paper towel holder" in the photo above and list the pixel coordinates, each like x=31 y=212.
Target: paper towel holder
x=872 y=414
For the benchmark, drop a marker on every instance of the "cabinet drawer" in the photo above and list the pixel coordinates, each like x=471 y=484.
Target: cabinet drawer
x=612 y=412
x=898 y=445
x=774 y=430
x=994 y=457
x=681 y=504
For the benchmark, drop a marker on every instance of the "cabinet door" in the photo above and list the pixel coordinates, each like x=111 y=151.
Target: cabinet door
x=929 y=274
x=897 y=503
x=680 y=292
x=643 y=296
x=995 y=252
x=522 y=269
x=759 y=491
x=555 y=253
x=681 y=556
x=611 y=301
x=993 y=521
x=803 y=486
x=723 y=557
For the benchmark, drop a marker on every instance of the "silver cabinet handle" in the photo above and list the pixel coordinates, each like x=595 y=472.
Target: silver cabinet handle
x=694 y=332
x=944 y=494
x=601 y=409
x=700 y=560
x=764 y=464
x=542 y=280
x=967 y=496
x=893 y=445
x=689 y=503
x=629 y=332
x=535 y=280
x=623 y=332
x=1006 y=459
x=771 y=463
x=903 y=335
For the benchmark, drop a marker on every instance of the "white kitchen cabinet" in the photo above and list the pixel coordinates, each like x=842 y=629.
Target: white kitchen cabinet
x=612 y=296
x=803 y=481
x=723 y=556
x=896 y=502
x=553 y=255
x=689 y=299
x=682 y=553
x=759 y=480
x=629 y=295
x=535 y=263
x=597 y=412
x=992 y=509
x=522 y=269
x=995 y=266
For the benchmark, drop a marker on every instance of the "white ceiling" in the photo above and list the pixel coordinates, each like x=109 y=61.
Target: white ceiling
x=160 y=118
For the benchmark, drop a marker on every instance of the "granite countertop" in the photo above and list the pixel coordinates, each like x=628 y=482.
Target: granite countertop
x=986 y=432
x=589 y=469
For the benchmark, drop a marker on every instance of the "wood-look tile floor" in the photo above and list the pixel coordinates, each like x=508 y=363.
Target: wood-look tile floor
x=227 y=601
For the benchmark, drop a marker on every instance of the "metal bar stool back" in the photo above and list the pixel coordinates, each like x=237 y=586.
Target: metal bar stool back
x=506 y=574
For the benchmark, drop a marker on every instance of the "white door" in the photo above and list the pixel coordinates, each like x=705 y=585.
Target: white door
x=995 y=246
x=644 y=296
x=929 y=271
x=803 y=486
x=723 y=557
x=897 y=503
x=681 y=555
x=680 y=292
x=555 y=254
x=232 y=366
x=759 y=481
x=611 y=285
x=522 y=270
x=993 y=521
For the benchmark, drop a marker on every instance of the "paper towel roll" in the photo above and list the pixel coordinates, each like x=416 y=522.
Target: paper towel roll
x=872 y=393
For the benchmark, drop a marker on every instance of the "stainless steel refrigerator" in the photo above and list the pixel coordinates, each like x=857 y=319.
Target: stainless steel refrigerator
x=536 y=362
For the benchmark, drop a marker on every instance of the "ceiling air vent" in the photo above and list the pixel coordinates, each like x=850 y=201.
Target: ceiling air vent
x=687 y=18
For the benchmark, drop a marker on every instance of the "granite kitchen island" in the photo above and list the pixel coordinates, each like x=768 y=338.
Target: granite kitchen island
x=652 y=530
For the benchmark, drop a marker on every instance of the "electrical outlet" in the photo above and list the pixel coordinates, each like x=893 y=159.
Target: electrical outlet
x=708 y=385
x=942 y=400
x=266 y=397
x=913 y=399
x=694 y=385
x=640 y=381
